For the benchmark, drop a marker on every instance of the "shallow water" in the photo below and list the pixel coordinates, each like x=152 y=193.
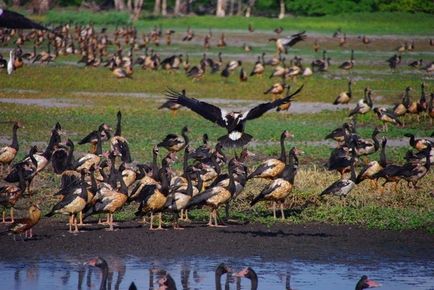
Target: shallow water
x=198 y=273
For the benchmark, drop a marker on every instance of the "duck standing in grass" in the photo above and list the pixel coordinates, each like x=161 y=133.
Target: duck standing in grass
x=234 y=122
x=25 y=225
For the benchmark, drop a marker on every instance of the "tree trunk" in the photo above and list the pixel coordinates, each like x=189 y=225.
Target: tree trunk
x=282 y=9
x=41 y=6
x=130 y=6
x=164 y=7
x=157 y=7
x=249 y=7
x=16 y=3
x=220 y=11
x=177 y=9
x=137 y=9
x=231 y=8
x=240 y=8
x=120 y=5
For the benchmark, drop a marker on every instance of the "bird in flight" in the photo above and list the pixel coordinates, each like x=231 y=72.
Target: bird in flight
x=234 y=122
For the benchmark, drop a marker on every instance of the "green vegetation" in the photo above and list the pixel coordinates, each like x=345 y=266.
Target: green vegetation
x=355 y=23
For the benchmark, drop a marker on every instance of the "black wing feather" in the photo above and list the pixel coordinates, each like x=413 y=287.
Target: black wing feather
x=260 y=109
x=206 y=110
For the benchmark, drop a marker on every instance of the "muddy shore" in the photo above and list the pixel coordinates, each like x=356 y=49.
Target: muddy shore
x=316 y=242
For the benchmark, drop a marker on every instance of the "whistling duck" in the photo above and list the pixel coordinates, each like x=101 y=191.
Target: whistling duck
x=119 y=143
x=243 y=75
x=169 y=36
x=250 y=274
x=102 y=264
x=152 y=199
x=27 y=223
x=349 y=64
x=234 y=122
x=367 y=147
x=186 y=63
x=373 y=167
x=365 y=39
x=197 y=72
x=276 y=90
x=246 y=47
x=111 y=202
x=416 y=108
x=72 y=204
x=10 y=194
x=222 y=42
x=273 y=167
x=258 y=68
x=214 y=197
x=409 y=46
x=401 y=108
x=387 y=117
x=365 y=283
x=45 y=56
x=189 y=36
x=175 y=143
x=279 y=71
x=8 y=153
x=364 y=105
x=316 y=46
x=344 y=97
x=92 y=138
x=323 y=64
x=278 y=30
x=412 y=172
x=394 y=61
x=418 y=144
x=219 y=272
x=275 y=60
x=416 y=64
x=285 y=106
x=280 y=188
x=390 y=172
x=343 y=187
x=121 y=73
x=340 y=134
x=342 y=39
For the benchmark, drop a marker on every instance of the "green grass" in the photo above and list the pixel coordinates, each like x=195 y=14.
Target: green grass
x=355 y=23
x=102 y=96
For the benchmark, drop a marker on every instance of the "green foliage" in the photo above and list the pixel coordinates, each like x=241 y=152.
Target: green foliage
x=85 y=17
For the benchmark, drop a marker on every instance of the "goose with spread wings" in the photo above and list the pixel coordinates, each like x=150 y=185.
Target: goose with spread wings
x=234 y=122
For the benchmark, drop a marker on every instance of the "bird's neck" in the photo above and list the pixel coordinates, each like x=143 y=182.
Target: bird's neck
x=15 y=144
x=282 y=149
x=218 y=284
x=103 y=285
x=118 y=127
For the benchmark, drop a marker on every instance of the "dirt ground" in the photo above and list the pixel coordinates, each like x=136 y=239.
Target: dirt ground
x=319 y=242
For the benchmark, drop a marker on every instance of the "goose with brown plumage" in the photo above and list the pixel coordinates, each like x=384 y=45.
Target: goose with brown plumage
x=8 y=153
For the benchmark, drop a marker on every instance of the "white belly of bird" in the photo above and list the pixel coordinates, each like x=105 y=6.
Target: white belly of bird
x=347 y=188
x=235 y=135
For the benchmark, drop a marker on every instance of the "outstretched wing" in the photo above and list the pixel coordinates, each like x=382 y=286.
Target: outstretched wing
x=208 y=111
x=295 y=38
x=10 y=19
x=260 y=109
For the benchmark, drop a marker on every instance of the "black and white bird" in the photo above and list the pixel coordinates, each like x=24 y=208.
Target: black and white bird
x=234 y=122
x=343 y=187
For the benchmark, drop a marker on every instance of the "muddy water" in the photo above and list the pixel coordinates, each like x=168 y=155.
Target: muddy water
x=198 y=273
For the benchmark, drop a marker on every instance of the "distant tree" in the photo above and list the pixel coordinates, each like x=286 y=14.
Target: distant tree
x=220 y=11
x=157 y=7
x=177 y=9
x=41 y=6
x=250 y=5
x=282 y=9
